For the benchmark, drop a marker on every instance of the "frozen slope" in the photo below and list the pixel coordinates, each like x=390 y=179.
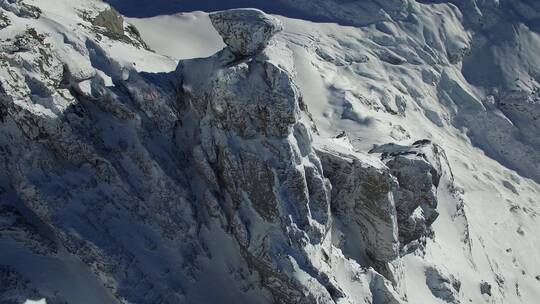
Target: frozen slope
x=109 y=208
x=180 y=36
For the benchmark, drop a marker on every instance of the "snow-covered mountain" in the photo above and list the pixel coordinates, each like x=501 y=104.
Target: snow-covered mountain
x=381 y=151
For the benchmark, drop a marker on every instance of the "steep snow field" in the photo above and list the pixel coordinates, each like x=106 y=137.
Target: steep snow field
x=180 y=36
x=465 y=76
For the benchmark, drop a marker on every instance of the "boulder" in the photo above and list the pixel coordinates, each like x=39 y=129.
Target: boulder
x=245 y=31
x=485 y=288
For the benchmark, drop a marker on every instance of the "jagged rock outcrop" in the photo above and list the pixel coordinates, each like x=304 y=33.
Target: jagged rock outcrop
x=108 y=22
x=4 y=21
x=245 y=31
x=119 y=169
x=257 y=163
x=51 y=99
x=363 y=205
x=485 y=288
x=111 y=20
x=14 y=288
x=212 y=155
x=21 y=9
x=443 y=286
x=204 y=185
x=263 y=178
x=363 y=209
x=418 y=170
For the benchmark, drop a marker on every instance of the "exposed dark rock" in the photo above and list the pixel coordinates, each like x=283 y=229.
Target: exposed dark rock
x=444 y=286
x=15 y=226
x=418 y=170
x=111 y=24
x=485 y=288
x=111 y=20
x=363 y=204
x=4 y=20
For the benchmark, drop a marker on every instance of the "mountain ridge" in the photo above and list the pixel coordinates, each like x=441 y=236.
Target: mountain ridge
x=328 y=164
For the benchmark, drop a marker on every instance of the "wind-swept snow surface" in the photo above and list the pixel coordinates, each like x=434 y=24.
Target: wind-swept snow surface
x=391 y=155
x=181 y=36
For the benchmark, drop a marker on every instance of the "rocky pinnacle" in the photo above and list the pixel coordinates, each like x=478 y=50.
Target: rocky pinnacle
x=245 y=31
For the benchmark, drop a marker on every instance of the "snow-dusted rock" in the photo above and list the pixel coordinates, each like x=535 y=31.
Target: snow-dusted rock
x=245 y=31
x=523 y=107
x=20 y=8
x=203 y=185
x=14 y=288
x=418 y=170
x=485 y=288
x=4 y=20
x=248 y=98
x=257 y=156
x=111 y=20
x=363 y=204
x=443 y=286
x=365 y=223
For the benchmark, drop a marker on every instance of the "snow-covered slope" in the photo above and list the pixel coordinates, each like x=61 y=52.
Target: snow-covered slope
x=389 y=157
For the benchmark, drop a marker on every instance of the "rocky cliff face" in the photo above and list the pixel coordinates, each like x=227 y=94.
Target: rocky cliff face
x=267 y=183
x=418 y=170
x=168 y=166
